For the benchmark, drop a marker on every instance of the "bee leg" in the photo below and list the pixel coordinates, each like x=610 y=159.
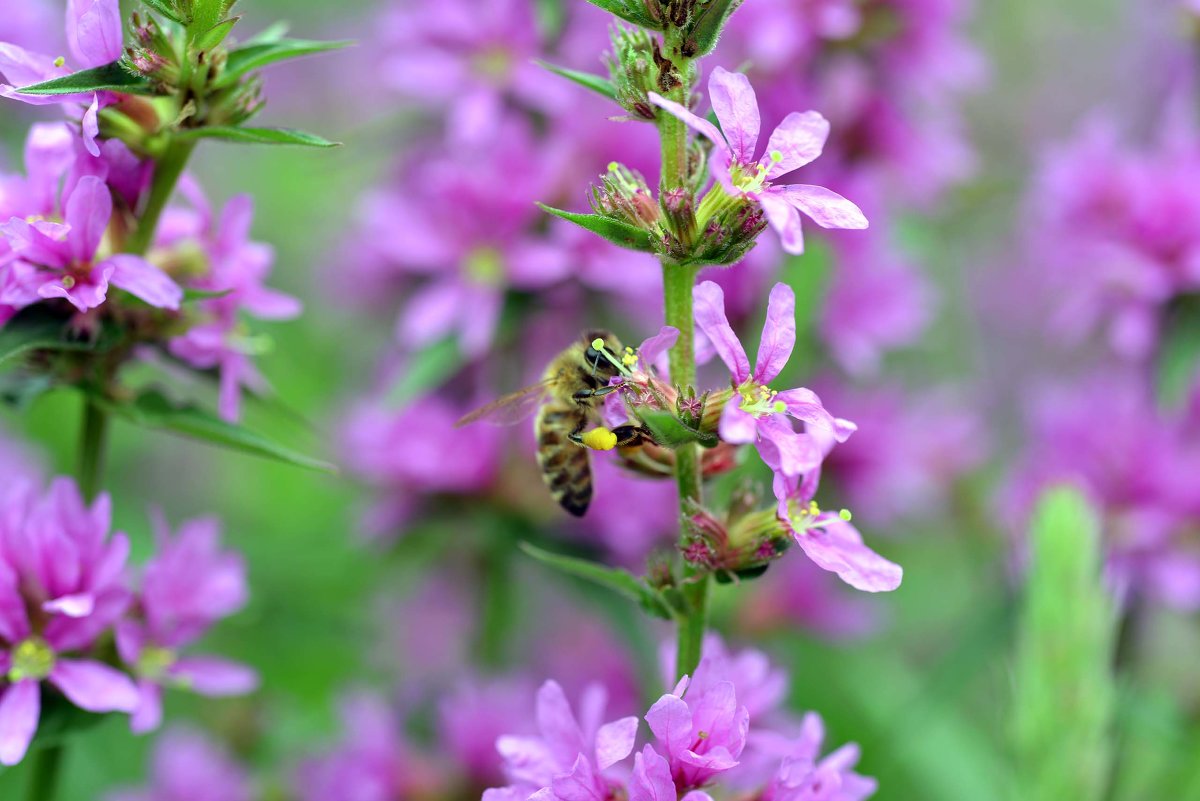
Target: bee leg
x=576 y=435
x=585 y=395
x=629 y=436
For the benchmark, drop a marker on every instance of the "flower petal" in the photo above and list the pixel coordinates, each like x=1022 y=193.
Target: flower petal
x=784 y=218
x=778 y=334
x=91 y=126
x=614 y=741
x=95 y=687
x=78 y=605
x=736 y=106
x=94 y=31
x=737 y=426
x=838 y=547
x=207 y=675
x=804 y=405
x=825 y=207
x=709 y=299
x=671 y=721
x=650 y=351
x=148 y=715
x=20 y=709
x=798 y=140
x=88 y=212
x=697 y=124
x=797 y=453
x=141 y=278
x=651 y=778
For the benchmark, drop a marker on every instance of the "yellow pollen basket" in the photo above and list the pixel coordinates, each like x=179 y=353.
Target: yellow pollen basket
x=600 y=439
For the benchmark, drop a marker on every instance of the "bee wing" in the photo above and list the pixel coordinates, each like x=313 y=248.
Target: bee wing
x=511 y=408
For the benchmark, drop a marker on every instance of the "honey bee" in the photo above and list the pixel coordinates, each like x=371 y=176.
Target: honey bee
x=566 y=400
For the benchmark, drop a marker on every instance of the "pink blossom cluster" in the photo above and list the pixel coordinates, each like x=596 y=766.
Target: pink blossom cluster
x=68 y=594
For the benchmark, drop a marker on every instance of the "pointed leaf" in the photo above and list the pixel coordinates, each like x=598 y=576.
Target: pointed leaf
x=193 y=295
x=263 y=52
x=257 y=136
x=154 y=410
x=166 y=9
x=630 y=11
x=1064 y=684
x=671 y=432
x=34 y=328
x=107 y=78
x=216 y=34
x=620 y=581
x=599 y=85
x=430 y=367
x=269 y=35
x=707 y=29
x=619 y=233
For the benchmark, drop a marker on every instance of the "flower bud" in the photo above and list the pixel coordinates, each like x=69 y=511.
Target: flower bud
x=679 y=210
x=632 y=67
x=624 y=195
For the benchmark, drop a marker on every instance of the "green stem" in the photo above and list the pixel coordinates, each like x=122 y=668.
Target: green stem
x=497 y=602
x=43 y=781
x=166 y=174
x=92 y=435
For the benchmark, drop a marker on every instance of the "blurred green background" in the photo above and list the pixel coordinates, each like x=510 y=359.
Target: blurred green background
x=928 y=699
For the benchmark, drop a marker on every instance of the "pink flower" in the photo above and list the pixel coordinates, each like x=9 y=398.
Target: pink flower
x=652 y=780
x=756 y=413
x=59 y=260
x=237 y=269
x=827 y=538
x=797 y=141
x=702 y=736
x=567 y=759
x=804 y=776
x=188 y=585
x=184 y=762
x=60 y=588
x=94 y=38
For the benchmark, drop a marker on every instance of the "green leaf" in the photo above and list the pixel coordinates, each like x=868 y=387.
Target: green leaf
x=257 y=136
x=60 y=720
x=216 y=34
x=1065 y=689
x=206 y=15
x=193 y=295
x=616 y=579
x=108 y=78
x=707 y=29
x=35 y=328
x=154 y=410
x=166 y=9
x=429 y=368
x=671 y=432
x=619 y=233
x=269 y=35
x=1178 y=359
x=630 y=11
x=258 y=54
x=599 y=85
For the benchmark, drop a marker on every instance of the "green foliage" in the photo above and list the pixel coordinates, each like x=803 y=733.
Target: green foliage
x=620 y=581
x=256 y=136
x=167 y=9
x=619 y=233
x=205 y=16
x=599 y=85
x=629 y=10
x=671 y=432
x=707 y=27
x=1179 y=356
x=36 y=328
x=107 y=78
x=268 y=49
x=152 y=409
x=1065 y=693
x=429 y=368
x=211 y=38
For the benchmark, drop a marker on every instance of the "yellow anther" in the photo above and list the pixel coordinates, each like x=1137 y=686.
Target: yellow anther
x=598 y=344
x=776 y=156
x=813 y=509
x=629 y=359
x=68 y=282
x=845 y=515
x=60 y=61
x=600 y=439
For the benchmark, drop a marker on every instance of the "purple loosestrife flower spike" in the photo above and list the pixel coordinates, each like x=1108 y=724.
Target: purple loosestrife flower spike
x=797 y=141
x=756 y=413
x=56 y=557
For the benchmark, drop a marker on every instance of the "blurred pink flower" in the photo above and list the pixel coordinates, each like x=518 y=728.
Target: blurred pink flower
x=187 y=766
x=60 y=589
x=188 y=585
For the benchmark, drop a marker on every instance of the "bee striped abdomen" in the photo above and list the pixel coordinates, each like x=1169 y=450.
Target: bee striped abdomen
x=565 y=466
